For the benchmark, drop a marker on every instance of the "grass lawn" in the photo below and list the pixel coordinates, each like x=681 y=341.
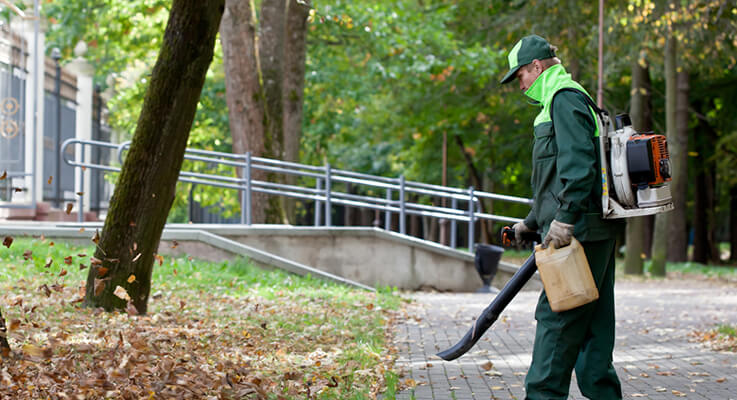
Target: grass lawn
x=227 y=330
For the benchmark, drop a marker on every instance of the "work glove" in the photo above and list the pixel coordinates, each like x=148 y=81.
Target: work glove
x=559 y=234
x=519 y=229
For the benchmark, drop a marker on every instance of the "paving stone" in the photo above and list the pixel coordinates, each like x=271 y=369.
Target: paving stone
x=655 y=355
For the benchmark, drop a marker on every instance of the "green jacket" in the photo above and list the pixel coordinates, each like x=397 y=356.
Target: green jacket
x=566 y=182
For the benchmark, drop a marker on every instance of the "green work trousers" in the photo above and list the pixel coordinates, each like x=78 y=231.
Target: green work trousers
x=581 y=338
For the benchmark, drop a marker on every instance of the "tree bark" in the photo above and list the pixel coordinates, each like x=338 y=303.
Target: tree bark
x=486 y=233
x=4 y=345
x=295 y=51
x=243 y=91
x=145 y=189
x=641 y=113
x=678 y=149
x=733 y=224
x=663 y=220
x=704 y=195
x=271 y=57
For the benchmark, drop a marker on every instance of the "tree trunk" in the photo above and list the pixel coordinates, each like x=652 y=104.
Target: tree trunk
x=641 y=113
x=662 y=221
x=4 y=345
x=145 y=189
x=704 y=199
x=271 y=57
x=678 y=149
x=478 y=184
x=295 y=51
x=700 y=224
x=733 y=224
x=244 y=95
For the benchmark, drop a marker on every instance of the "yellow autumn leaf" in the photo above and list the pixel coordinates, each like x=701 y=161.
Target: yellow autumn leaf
x=131 y=278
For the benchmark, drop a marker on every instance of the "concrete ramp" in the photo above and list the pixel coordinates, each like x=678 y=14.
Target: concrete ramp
x=215 y=248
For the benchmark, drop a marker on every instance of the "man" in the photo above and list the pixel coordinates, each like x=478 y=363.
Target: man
x=567 y=189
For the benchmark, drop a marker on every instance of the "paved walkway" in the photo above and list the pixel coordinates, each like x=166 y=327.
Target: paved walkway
x=655 y=356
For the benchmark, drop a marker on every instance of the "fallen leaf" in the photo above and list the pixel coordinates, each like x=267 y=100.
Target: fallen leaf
x=4 y=175
x=35 y=351
x=487 y=365
x=96 y=239
x=131 y=278
x=121 y=293
x=174 y=244
x=639 y=395
x=7 y=241
x=677 y=393
x=63 y=272
x=51 y=179
x=27 y=254
x=100 y=286
x=69 y=208
x=95 y=261
x=14 y=324
x=721 y=380
x=130 y=308
x=46 y=289
x=101 y=271
x=82 y=266
x=48 y=263
x=68 y=260
x=80 y=193
x=136 y=257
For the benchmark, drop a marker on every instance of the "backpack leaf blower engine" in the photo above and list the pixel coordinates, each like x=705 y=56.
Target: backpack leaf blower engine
x=638 y=167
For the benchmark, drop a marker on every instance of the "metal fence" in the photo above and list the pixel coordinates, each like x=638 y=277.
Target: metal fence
x=464 y=203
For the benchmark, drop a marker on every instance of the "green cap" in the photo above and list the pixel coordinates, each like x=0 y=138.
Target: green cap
x=530 y=48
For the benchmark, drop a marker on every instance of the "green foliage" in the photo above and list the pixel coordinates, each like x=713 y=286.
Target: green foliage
x=123 y=39
x=385 y=81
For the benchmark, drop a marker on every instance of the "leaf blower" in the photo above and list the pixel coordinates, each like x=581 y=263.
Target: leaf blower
x=500 y=302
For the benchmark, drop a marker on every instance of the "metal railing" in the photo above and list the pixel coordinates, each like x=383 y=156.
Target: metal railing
x=324 y=193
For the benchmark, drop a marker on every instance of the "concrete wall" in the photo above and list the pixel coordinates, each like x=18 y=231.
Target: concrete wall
x=363 y=257
x=370 y=256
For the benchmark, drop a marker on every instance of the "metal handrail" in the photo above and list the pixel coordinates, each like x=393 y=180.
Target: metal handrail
x=323 y=194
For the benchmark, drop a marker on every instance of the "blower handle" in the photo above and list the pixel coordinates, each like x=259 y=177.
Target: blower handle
x=508 y=237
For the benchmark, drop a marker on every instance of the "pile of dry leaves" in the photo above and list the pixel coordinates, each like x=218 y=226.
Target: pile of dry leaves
x=193 y=344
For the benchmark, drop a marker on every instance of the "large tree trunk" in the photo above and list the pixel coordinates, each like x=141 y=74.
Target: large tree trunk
x=733 y=224
x=678 y=149
x=295 y=51
x=4 y=345
x=662 y=221
x=641 y=113
x=145 y=189
x=271 y=57
x=244 y=95
x=704 y=193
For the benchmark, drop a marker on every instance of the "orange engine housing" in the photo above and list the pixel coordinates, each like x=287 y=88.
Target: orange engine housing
x=648 y=160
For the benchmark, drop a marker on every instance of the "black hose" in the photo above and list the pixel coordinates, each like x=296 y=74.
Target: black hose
x=491 y=313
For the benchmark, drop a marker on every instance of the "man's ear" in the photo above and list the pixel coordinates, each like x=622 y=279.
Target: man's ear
x=538 y=65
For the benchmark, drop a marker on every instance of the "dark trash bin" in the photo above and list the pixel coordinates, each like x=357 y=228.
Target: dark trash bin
x=487 y=263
